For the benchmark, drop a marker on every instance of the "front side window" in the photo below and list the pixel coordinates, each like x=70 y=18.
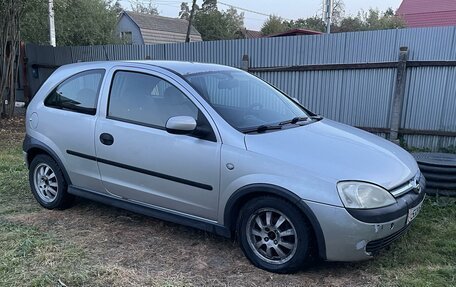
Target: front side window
x=147 y=99
x=78 y=93
x=243 y=100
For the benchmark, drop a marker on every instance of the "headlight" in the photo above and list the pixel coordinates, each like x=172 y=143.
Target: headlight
x=362 y=195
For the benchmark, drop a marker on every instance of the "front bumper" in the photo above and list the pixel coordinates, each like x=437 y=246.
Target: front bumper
x=358 y=236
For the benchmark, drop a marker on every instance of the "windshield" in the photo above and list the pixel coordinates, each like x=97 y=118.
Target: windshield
x=243 y=100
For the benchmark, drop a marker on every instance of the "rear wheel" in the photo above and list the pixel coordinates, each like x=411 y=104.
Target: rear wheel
x=48 y=183
x=274 y=235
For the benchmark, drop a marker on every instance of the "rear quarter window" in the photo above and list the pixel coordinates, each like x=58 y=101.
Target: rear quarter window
x=79 y=93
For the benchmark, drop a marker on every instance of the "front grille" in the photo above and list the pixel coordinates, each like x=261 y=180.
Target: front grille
x=403 y=189
x=377 y=245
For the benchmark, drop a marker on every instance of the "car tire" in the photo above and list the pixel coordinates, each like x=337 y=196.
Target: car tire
x=283 y=243
x=48 y=183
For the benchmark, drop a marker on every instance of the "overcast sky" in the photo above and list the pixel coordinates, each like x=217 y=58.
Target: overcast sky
x=288 y=9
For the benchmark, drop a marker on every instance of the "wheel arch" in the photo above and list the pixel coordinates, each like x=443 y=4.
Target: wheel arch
x=246 y=193
x=34 y=147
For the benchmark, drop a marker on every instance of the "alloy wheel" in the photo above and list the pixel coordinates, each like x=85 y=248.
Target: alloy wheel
x=45 y=182
x=272 y=236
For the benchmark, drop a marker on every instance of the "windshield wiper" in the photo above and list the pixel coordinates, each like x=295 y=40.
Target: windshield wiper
x=316 y=117
x=262 y=129
x=294 y=120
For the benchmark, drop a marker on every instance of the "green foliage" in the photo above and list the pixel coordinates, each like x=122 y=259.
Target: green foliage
x=32 y=258
x=316 y=23
x=350 y=24
x=371 y=20
x=273 y=25
x=77 y=22
x=34 y=24
x=233 y=21
x=217 y=25
x=312 y=23
x=364 y=21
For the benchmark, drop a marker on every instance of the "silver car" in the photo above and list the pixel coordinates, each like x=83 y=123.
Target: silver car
x=218 y=149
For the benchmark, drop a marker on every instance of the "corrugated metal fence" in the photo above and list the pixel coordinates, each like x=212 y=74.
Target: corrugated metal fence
x=348 y=77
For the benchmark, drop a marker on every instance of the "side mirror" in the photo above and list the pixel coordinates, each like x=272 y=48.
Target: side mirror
x=181 y=125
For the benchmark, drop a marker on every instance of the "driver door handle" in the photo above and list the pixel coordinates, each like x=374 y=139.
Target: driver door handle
x=106 y=139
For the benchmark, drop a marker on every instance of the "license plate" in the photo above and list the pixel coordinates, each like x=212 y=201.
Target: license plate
x=413 y=212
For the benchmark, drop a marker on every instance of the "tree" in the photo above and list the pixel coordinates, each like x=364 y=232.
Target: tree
x=350 y=24
x=371 y=20
x=273 y=25
x=209 y=6
x=10 y=13
x=117 y=8
x=185 y=11
x=216 y=25
x=338 y=12
x=190 y=20
x=77 y=22
x=389 y=12
x=140 y=7
x=388 y=20
x=232 y=21
x=312 y=23
x=34 y=26
x=317 y=23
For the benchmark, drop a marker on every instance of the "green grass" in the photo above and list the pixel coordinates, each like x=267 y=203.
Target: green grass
x=28 y=256
x=426 y=255
x=14 y=190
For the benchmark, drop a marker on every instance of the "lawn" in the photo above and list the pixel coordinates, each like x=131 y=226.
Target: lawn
x=95 y=245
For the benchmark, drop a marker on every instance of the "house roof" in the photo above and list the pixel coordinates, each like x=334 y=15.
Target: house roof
x=425 y=13
x=160 y=23
x=296 y=32
x=249 y=34
x=426 y=6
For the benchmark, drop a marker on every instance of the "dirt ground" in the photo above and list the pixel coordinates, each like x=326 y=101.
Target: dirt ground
x=142 y=250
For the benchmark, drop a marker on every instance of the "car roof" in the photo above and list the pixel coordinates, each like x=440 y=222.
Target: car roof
x=182 y=68
x=186 y=68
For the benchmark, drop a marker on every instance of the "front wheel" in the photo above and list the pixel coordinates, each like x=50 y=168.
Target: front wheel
x=274 y=235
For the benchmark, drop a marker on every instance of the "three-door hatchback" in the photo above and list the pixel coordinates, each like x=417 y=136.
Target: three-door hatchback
x=216 y=148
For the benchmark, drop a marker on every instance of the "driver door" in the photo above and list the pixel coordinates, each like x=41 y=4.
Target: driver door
x=140 y=161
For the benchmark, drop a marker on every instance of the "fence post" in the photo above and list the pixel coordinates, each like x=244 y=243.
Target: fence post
x=399 y=94
x=245 y=63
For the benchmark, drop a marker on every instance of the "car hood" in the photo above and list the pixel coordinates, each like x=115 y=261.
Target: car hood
x=336 y=152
